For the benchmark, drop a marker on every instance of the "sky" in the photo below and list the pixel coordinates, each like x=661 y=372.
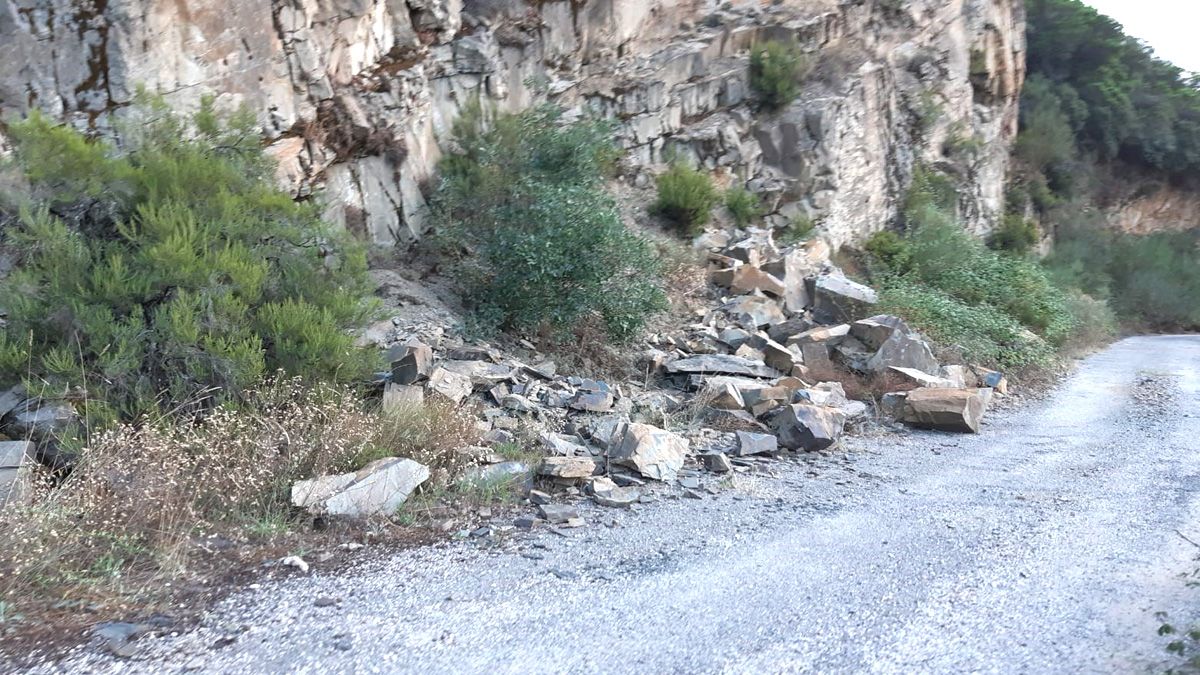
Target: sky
x=1169 y=26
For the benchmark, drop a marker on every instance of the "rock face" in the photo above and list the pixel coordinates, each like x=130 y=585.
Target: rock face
x=356 y=97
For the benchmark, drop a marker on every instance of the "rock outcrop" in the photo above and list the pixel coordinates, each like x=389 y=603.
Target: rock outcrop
x=356 y=97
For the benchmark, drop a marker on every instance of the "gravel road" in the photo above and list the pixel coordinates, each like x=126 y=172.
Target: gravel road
x=1045 y=544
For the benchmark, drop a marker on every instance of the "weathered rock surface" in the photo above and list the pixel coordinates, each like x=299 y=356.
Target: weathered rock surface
x=652 y=452
x=567 y=467
x=837 y=299
x=356 y=97
x=15 y=460
x=946 y=409
x=379 y=488
x=802 y=426
x=720 y=364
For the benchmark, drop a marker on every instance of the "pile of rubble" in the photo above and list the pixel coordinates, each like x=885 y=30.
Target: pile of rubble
x=754 y=377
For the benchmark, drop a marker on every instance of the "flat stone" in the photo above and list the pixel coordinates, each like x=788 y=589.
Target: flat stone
x=379 y=488
x=402 y=397
x=904 y=351
x=754 y=311
x=557 y=514
x=16 y=458
x=837 y=299
x=449 y=385
x=720 y=364
x=567 y=467
x=874 y=331
x=749 y=443
x=922 y=379
x=592 y=401
x=748 y=278
x=607 y=493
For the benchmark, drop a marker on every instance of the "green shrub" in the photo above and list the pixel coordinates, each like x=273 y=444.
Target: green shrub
x=686 y=196
x=539 y=243
x=889 y=250
x=776 y=71
x=172 y=271
x=798 y=229
x=980 y=332
x=743 y=205
x=1015 y=234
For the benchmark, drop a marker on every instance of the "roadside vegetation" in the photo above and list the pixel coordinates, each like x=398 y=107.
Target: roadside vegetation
x=172 y=272
x=1098 y=113
x=517 y=206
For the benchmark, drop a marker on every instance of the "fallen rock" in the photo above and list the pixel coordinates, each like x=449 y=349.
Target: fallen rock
x=992 y=378
x=725 y=396
x=402 y=397
x=946 y=409
x=557 y=514
x=379 y=488
x=563 y=445
x=837 y=299
x=567 y=467
x=450 y=385
x=755 y=311
x=509 y=473
x=748 y=278
x=829 y=335
x=749 y=443
x=802 y=426
x=16 y=458
x=780 y=358
x=652 y=452
x=717 y=462
x=875 y=330
x=904 y=351
x=720 y=364
x=607 y=493
x=923 y=379
x=411 y=362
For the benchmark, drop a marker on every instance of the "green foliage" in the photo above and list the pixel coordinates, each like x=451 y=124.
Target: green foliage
x=1151 y=280
x=889 y=249
x=798 y=229
x=997 y=308
x=544 y=245
x=928 y=111
x=1016 y=234
x=743 y=205
x=776 y=71
x=172 y=271
x=1118 y=99
x=686 y=196
x=980 y=332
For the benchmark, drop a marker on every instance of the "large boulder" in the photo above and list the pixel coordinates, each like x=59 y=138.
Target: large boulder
x=902 y=350
x=837 y=299
x=946 y=409
x=802 y=426
x=652 y=452
x=379 y=488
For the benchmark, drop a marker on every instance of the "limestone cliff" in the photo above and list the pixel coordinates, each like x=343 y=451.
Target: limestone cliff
x=355 y=97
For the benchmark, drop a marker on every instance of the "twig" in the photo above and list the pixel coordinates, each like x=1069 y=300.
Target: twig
x=1185 y=538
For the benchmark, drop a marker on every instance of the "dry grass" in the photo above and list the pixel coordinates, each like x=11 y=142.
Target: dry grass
x=139 y=507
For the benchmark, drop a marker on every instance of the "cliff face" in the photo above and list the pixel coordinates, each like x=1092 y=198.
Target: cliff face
x=356 y=97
